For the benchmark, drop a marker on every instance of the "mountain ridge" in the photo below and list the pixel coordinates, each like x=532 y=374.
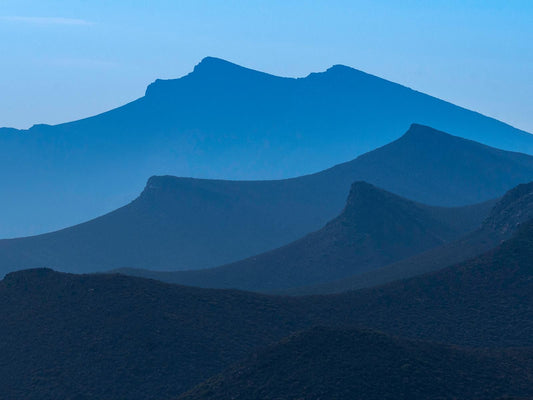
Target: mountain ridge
x=375 y=228
x=505 y=218
x=150 y=340
x=236 y=124
x=189 y=223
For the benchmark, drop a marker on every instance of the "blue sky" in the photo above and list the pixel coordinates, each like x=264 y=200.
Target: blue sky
x=63 y=60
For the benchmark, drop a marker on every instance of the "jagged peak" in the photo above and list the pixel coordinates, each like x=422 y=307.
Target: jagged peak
x=209 y=69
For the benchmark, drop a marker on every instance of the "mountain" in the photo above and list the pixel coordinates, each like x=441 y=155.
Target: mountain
x=485 y=301
x=183 y=223
x=221 y=121
x=100 y=336
x=375 y=228
x=515 y=208
x=108 y=336
x=325 y=363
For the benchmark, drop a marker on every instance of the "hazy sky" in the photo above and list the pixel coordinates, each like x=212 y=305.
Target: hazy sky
x=63 y=60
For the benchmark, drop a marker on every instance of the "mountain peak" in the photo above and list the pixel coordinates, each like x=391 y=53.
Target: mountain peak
x=423 y=131
x=214 y=64
x=367 y=198
x=207 y=72
x=342 y=68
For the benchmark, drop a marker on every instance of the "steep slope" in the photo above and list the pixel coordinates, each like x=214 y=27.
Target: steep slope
x=325 y=364
x=485 y=301
x=180 y=223
x=515 y=208
x=220 y=121
x=375 y=229
x=101 y=336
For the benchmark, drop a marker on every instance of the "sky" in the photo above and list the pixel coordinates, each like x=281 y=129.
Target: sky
x=65 y=60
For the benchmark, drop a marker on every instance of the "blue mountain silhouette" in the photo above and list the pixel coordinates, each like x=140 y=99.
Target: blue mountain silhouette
x=183 y=223
x=220 y=121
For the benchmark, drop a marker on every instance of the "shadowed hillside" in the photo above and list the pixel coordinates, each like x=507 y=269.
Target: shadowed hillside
x=179 y=223
x=95 y=336
x=485 y=301
x=353 y=364
x=374 y=229
x=221 y=121
x=107 y=336
x=515 y=208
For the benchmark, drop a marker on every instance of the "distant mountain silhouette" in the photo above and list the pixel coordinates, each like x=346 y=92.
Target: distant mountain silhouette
x=180 y=223
x=220 y=121
x=515 y=208
x=324 y=363
x=375 y=229
x=96 y=336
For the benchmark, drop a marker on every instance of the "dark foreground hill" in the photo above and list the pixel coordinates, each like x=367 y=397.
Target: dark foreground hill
x=375 y=228
x=515 y=208
x=114 y=337
x=486 y=301
x=179 y=223
x=111 y=336
x=323 y=363
x=220 y=121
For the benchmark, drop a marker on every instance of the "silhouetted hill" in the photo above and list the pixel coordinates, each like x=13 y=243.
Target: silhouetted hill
x=102 y=336
x=515 y=208
x=180 y=223
x=375 y=229
x=485 y=301
x=220 y=121
x=108 y=336
x=325 y=364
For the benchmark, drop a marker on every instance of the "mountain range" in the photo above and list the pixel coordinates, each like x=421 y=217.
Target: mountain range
x=184 y=223
x=221 y=121
x=95 y=336
x=376 y=228
x=515 y=208
x=240 y=272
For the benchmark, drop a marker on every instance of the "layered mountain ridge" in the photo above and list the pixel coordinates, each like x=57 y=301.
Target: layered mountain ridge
x=508 y=214
x=185 y=223
x=221 y=121
x=374 y=229
x=146 y=339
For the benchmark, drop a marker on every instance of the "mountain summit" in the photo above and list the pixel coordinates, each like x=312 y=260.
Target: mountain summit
x=220 y=121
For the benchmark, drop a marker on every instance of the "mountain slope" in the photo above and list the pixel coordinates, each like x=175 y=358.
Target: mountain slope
x=100 y=336
x=180 y=223
x=220 y=121
x=515 y=208
x=106 y=336
x=375 y=229
x=324 y=363
x=485 y=301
